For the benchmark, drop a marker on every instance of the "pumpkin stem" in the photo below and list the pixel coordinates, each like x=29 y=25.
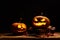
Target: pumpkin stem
x=41 y=13
x=20 y=19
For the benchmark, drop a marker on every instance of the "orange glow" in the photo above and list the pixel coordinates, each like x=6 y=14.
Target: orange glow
x=21 y=27
x=39 y=24
x=36 y=19
x=43 y=20
x=15 y=24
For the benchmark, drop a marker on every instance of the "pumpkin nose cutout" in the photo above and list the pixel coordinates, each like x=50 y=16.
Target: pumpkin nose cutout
x=38 y=19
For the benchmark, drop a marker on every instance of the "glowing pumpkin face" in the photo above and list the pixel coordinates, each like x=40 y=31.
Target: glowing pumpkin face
x=41 y=21
x=19 y=27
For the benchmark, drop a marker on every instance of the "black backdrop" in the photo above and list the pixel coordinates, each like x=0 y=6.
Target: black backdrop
x=27 y=10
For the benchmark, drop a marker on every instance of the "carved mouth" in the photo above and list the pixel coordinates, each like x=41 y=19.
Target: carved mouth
x=21 y=30
x=40 y=24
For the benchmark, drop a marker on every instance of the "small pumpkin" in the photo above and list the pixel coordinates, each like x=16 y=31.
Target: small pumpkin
x=41 y=21
x=19 y=27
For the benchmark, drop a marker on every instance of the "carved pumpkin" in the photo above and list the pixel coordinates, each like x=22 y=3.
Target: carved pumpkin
x=41 y=21
x=19 y=27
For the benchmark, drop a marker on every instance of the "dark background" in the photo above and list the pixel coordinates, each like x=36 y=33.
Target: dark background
x=27 y=10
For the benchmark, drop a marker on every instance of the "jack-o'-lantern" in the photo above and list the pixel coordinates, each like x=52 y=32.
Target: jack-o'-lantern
x=19 y=27
x=41 y=21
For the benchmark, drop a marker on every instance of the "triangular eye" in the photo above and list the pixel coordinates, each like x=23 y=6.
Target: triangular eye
x=19 y=26
x=35 y=19
x=42 y=19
